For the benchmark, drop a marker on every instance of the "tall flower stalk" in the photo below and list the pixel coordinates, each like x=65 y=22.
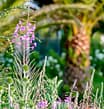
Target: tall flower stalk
x=24 y=40
x=32 y=85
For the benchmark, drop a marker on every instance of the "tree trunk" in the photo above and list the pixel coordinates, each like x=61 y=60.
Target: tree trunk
x=77 y=58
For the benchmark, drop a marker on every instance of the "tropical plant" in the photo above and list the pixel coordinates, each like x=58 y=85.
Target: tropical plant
x=78 y=46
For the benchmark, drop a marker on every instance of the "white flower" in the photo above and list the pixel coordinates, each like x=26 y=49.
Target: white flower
x=50 y=58
x=10 y=60
x=91 y=57
x=100 y=56
x=60 y=73
x=48 y=64
x=100 y=74
x=55 y=61
x=97 y=51
x=57 y=66
x=63 y=55
x=102 y=39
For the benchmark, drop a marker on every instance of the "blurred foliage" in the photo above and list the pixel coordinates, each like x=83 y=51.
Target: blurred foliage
x=5 y=4
x=55 y=64
x=97 y=52
x=97 y=58
x=40 y=16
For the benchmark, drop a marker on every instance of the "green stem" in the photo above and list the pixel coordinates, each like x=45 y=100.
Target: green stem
x=0 y=100
x=9 y=96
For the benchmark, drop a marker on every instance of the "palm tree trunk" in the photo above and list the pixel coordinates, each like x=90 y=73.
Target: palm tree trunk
x=78 y=49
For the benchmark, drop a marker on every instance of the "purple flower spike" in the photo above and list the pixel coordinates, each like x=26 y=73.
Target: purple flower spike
x=33 y=28
x=30 y=32
x=67 y=99
x=31 y=41
x=33 y=36
x=22 y=28
x=26 y=37
x=24 y=33
x=29 y=24
x=15 y=34
x=42 y=105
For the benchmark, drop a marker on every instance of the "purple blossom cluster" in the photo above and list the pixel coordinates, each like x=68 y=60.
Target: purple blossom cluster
x=44 y=104
x=67 y=102
x=67 y=99
x=24 y=33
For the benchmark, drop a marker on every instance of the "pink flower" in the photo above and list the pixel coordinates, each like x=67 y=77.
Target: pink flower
x=22 y=28
x=15 y=34
x=33 y=36
x=67 y=99
x=29 y=24
x=42 y=104
x=54 y=105
x=24 y=33
x=20 y=22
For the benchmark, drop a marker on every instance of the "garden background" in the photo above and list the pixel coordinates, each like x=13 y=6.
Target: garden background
x=69 y=32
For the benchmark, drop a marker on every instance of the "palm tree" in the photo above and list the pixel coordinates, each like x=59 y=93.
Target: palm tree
x=78 y=47
x=81 y=15
x=6 y=9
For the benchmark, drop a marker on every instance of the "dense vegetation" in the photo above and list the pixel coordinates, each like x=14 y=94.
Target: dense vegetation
x=48 y=52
